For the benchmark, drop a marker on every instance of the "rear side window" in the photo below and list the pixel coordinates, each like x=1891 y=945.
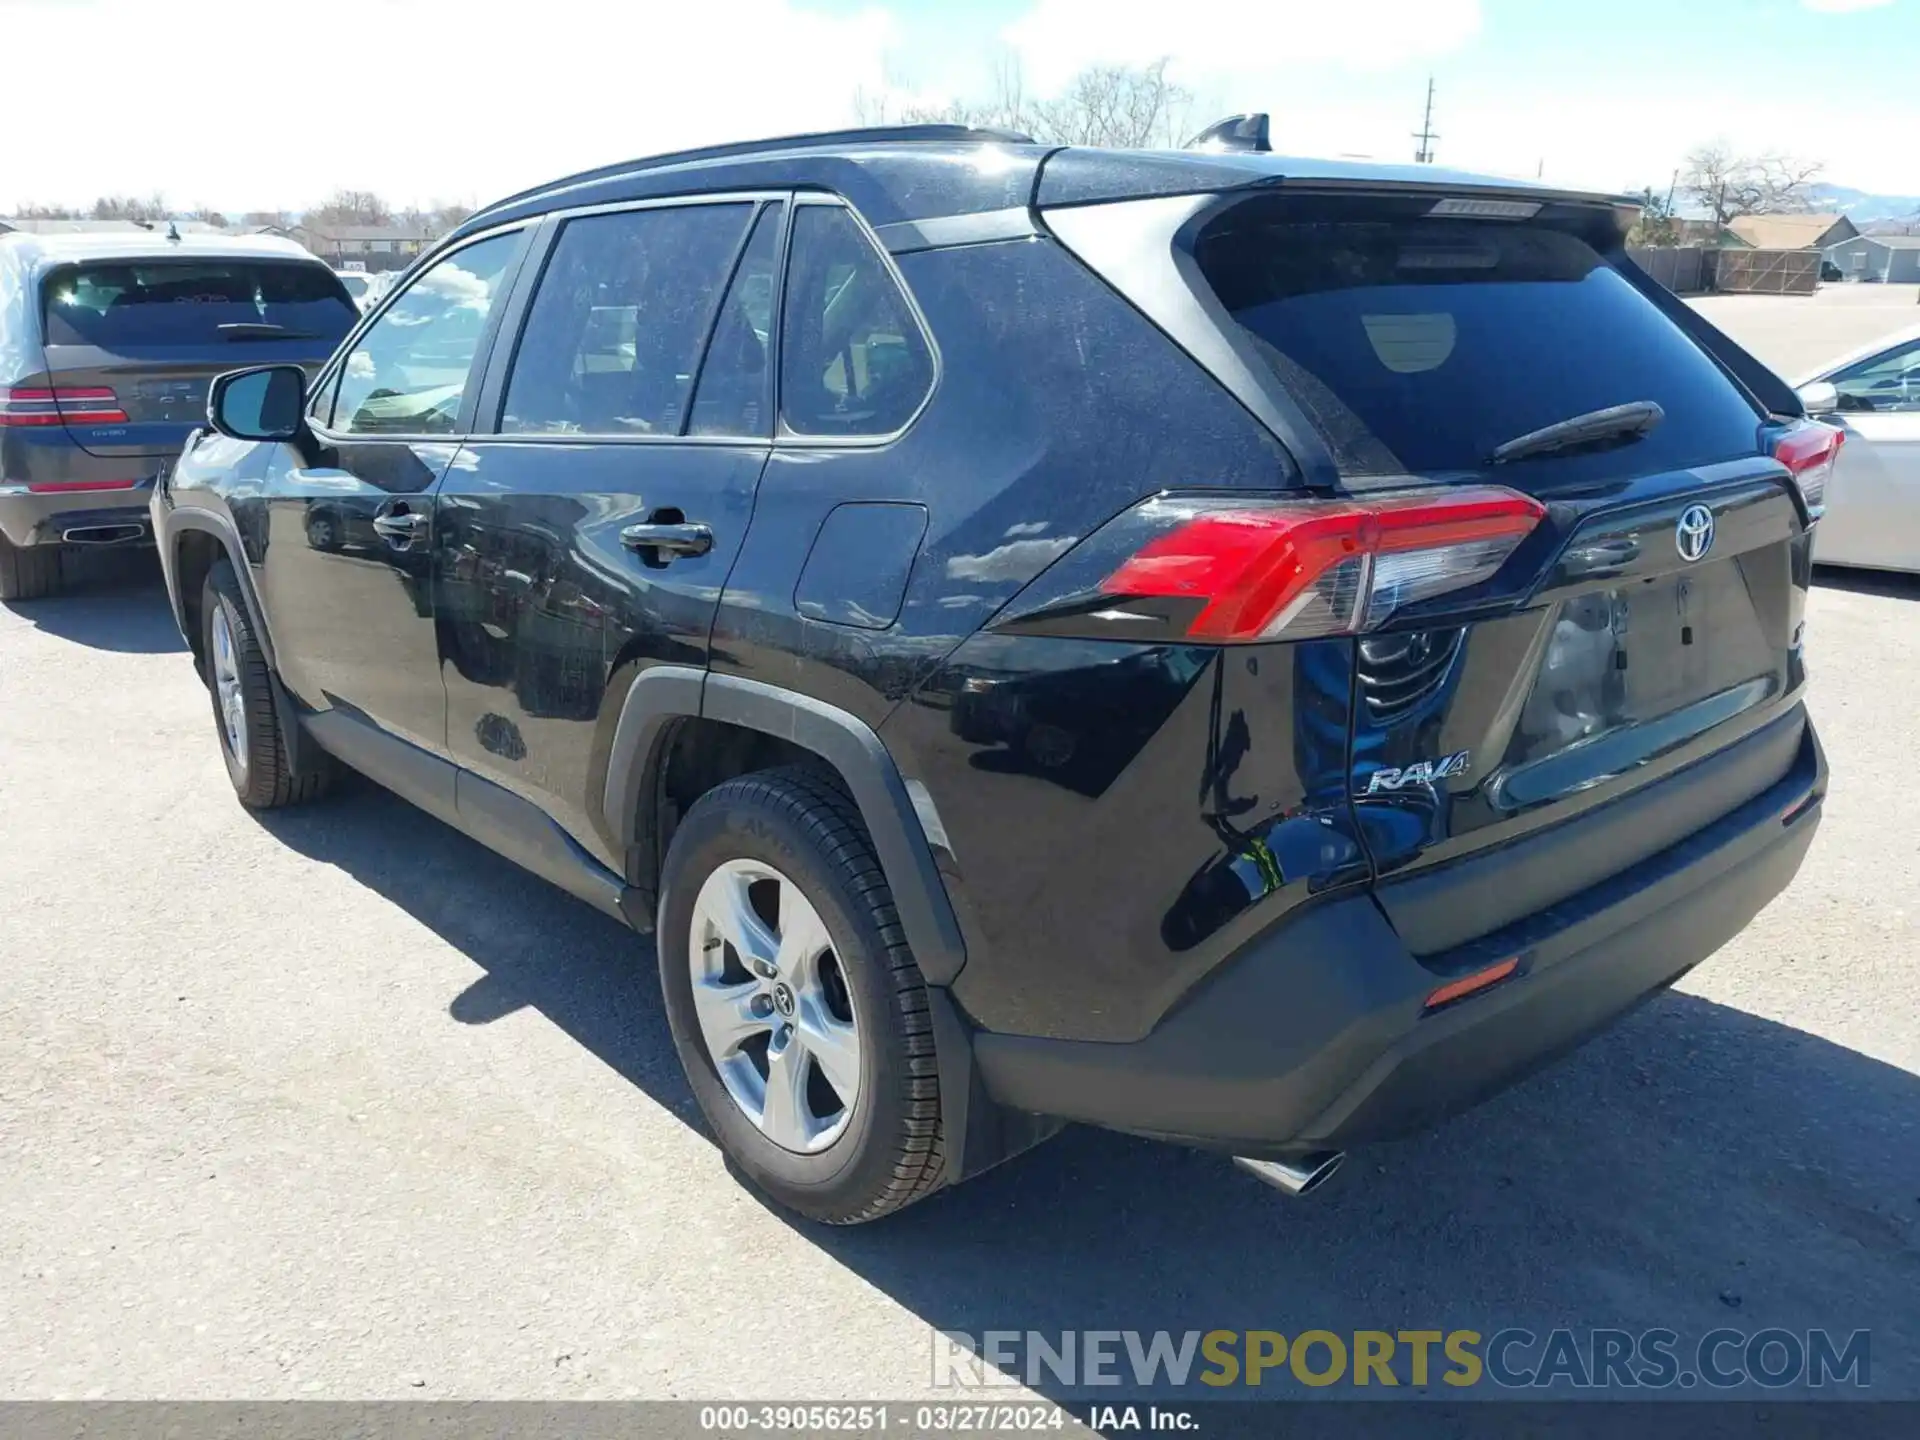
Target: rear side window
x=1418 y=346
x=853 y=358
x=193 y=303
x=616 y=329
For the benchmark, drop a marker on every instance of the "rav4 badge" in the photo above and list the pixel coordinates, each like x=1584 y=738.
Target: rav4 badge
x=1421 y=772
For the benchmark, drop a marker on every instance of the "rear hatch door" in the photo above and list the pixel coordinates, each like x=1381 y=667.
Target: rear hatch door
x=1651 y=620
x=131 y=345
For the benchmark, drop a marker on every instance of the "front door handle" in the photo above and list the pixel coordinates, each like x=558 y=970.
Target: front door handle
x=667 y=539
x=401 y=529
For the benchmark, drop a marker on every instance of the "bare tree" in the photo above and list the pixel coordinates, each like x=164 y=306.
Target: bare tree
x=48 y=212
x=208 y=215
x=1117 y=105
x=278 y=219
x=1123 y=106
x=352 y=207
x=1730 y=185
x=130 y=207
x=1656 y=225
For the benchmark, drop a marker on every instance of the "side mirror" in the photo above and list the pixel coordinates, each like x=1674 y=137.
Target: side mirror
x=1819 y=398
x=268 y=403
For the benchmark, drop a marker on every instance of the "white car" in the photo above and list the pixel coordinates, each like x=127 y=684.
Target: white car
x=365 y=286
x=1873 y=500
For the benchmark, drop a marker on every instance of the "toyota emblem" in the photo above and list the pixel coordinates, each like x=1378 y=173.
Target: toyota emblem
x=1693 y=536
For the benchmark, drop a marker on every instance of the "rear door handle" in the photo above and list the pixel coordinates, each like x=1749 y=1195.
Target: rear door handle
x=403 y=528
x=666 y=539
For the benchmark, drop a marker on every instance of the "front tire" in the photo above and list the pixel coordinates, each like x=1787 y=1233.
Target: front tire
x=324 y=531
x=28 y=572
x=251 y=740
x=796 y=1006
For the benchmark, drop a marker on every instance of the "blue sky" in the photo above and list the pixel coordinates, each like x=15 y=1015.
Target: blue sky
x=466 y=99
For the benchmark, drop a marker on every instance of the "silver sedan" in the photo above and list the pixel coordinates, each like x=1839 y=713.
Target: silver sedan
x=1873 y=499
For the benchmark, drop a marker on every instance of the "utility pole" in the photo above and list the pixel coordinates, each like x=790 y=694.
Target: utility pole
x=1425 y=135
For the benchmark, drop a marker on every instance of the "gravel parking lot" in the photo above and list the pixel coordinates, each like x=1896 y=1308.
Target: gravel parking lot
x=1800 y=334
x=336 y=1103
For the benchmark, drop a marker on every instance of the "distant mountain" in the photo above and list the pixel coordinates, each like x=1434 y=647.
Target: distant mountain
x=1863 y=208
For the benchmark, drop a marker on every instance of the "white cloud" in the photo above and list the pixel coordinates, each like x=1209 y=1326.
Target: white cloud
x=1225 y=39
x=1842 y=7
x=247 y=104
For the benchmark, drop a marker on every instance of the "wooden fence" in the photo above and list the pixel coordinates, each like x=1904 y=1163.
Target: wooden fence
x=1752 y=272
x=1768 y=272
x=1685 y=272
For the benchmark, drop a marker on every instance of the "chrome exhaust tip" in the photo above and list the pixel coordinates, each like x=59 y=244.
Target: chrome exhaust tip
x=102 y=534
x=1296 y=1176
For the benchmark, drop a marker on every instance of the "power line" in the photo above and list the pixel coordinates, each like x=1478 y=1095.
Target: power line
x=1425 y=135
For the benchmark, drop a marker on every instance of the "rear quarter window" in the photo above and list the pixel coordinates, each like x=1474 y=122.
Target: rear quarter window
x=192 y=303
x=1418 y=346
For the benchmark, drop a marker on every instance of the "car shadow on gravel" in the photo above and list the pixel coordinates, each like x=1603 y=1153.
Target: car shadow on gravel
x=1892 y=584
x=1696 y=1167
x=108 y=600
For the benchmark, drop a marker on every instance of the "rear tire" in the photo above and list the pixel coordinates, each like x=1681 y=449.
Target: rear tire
x=855 y=1015
x=251 y=740
x=29 y=572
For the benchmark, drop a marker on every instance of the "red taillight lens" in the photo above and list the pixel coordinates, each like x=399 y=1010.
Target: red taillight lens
x=1327 y=567
x=1809 y=451
x=62 y=405
x=55 y=487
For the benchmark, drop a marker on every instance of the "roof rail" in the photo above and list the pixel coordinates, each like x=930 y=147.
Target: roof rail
x=871 y=134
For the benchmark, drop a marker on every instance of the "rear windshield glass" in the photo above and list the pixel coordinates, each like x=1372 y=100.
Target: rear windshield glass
x=1419 y=346
x=111 y=304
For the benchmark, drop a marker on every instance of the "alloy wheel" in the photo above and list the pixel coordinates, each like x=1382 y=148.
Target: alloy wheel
x=226 y=685
x=774 y=1009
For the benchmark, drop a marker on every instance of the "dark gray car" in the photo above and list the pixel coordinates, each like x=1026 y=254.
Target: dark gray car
x=107 y=345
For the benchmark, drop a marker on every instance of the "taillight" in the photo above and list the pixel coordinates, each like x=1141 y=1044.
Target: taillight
x=64 y=404
x=1809 y=451
x=1297 y=569
x=57 y=487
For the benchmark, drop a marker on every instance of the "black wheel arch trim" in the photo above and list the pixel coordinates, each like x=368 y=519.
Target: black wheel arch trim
x=223 y=530
x=663 y=694
x=212 y=522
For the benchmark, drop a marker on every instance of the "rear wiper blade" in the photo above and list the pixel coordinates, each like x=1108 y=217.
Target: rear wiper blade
x=262 y=330
x=1615 y=425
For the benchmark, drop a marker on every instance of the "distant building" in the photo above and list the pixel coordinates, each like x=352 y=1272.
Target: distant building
x=1707 y=234
x=1893 y=259
x=1791 y=232
x=375 y=247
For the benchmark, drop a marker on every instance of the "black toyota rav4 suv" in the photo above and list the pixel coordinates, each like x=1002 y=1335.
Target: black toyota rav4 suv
x=1254 y=652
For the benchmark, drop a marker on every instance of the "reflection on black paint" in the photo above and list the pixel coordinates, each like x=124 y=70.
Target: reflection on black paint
x=1405 y=682
x=1077 y=727
x=516 y=612
x=500 y=736
x=1300 y=842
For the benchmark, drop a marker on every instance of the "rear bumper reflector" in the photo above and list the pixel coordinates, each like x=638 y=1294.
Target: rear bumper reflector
x=1472 y=984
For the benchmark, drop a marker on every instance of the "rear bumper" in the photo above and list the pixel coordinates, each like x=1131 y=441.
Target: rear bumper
x=1316 y=1036
x=76 y=516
